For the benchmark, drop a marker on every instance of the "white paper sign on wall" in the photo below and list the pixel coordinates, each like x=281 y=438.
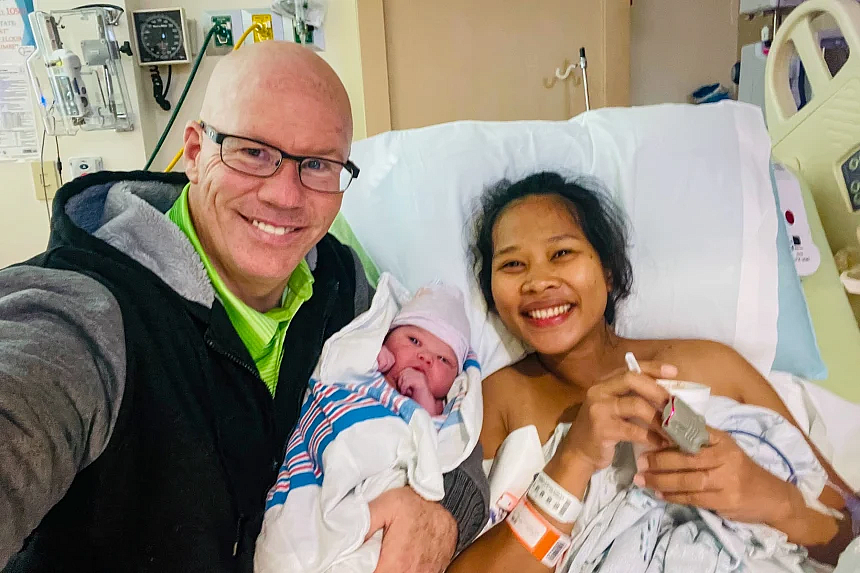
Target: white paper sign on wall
x=19 y=137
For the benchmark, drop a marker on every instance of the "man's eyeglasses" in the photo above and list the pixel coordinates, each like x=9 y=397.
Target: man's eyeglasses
x=262 y=160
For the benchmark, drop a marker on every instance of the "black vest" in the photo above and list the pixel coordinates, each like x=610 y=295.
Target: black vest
x=182 y=482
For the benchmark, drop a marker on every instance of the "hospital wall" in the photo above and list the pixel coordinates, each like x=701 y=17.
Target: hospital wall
x=678 y=45
x=23 y=218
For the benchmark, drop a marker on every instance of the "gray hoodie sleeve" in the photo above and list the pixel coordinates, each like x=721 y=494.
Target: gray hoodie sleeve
x=62 y=373
x=467 y=497
x=364 y=291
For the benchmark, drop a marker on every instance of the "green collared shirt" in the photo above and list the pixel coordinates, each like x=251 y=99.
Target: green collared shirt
x=262 y=333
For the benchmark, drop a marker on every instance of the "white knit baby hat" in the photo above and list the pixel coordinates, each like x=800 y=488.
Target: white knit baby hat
x=439 y=309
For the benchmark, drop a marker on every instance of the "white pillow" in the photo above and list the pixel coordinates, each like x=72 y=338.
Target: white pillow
x=693 y=181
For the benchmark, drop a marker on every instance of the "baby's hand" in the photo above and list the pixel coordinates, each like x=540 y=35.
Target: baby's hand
x=413 y=384
x=385 y=360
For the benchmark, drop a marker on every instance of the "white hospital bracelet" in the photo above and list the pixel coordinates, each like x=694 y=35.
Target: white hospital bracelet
x=541 y=538
x=553 y=499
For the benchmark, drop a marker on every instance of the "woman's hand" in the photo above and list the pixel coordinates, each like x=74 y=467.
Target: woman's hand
x=721 y=478
x=624 y=407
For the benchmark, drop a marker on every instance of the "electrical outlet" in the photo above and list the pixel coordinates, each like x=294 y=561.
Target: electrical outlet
x=308 y=39
x=314 y=39
x=273 y=25
x=267 y=33
x=223 y=37
x=46 y=187
x=230 y=28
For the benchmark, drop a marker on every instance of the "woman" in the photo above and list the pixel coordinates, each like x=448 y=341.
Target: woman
x=551 y=262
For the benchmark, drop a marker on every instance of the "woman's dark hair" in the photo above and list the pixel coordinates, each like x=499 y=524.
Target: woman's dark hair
x=600 y=219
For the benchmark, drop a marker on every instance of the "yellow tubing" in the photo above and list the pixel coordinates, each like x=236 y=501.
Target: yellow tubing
x=175 y=160
x=256 y=26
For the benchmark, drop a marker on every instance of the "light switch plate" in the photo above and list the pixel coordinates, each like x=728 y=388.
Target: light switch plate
x=45 y=188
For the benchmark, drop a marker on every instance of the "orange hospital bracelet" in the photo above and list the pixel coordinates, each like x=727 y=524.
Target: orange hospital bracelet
x=546 y=543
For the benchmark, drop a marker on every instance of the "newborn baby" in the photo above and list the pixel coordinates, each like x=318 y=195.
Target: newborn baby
x=373 y=420
x=425 y=349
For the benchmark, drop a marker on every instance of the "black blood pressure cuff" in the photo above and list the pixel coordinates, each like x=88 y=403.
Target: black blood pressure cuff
x=467 y=497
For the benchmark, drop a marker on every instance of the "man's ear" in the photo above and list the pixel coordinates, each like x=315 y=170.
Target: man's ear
x=193 y=139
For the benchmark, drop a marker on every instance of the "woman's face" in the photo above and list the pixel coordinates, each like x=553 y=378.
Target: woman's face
x=549 y=287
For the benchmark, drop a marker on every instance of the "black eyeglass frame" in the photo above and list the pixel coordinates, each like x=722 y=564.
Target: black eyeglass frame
x=219 y=137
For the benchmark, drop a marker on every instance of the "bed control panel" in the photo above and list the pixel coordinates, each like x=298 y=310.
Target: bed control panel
x=851 y=174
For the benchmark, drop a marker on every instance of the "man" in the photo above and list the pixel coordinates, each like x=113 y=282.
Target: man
x=152 y=367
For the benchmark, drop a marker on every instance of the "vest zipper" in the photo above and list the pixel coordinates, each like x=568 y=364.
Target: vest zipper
x=252 y=370
x=233 y=358
x=238 y=534
x=256 y=374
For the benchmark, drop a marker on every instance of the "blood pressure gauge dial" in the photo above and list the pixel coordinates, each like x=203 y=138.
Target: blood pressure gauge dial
x=161 y=36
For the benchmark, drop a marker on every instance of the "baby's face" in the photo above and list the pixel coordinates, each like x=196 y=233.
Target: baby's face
x=416 y=348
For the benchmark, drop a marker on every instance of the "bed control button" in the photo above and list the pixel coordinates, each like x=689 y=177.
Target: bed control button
x=851 y=174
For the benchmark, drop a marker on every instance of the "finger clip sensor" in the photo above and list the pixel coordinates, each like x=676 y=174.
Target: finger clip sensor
x=684 y=426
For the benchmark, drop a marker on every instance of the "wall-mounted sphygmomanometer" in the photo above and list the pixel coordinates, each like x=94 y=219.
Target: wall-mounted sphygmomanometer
x=78 y=57
x=161 y=36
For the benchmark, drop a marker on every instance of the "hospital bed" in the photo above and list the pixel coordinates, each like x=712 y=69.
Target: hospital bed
x=695 y=184
x=820 y=142
x=710 y=250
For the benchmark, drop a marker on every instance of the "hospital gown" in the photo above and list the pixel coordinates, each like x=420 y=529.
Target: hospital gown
x=624 y=528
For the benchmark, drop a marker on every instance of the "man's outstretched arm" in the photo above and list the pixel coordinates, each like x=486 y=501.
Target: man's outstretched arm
x=62 y=371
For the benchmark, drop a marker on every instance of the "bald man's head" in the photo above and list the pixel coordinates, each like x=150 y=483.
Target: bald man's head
x=257 y=227
x=264 y=79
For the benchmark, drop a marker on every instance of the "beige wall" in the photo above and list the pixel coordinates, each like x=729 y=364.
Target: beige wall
x=678 y=45
x=23 y=220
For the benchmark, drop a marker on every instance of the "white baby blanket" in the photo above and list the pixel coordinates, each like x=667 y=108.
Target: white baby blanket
x=356 y=438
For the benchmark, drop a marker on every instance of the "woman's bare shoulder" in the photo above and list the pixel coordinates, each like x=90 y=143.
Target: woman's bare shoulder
x=521 y=392
x=509 y=395
x=518 y=376
x=687 y=348
x=707 y=362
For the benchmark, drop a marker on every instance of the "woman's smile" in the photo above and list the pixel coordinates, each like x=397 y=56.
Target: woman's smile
x=549 y=316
